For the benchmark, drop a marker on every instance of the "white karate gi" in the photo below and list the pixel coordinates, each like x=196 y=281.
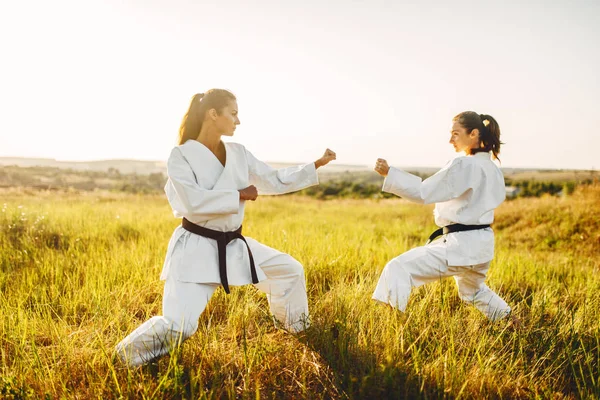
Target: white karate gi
x=466 y=191
x=205 y=192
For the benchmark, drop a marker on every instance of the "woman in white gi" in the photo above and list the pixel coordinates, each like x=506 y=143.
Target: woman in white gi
x=209 y=183
x=465 y=193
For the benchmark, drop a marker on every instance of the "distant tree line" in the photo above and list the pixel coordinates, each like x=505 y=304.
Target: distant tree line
x=346 y=189
x=350 y=189
x=359 y=185
x=533 y=188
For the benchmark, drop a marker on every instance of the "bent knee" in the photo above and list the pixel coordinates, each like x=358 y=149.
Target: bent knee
x=396 y=266
x=466 y=296
x=184 y=330
x=294 y=268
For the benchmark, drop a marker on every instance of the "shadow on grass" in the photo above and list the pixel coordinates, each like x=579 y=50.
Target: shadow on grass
x=358 y=372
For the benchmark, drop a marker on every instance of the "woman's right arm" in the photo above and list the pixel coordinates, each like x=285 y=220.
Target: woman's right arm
x=188 y=198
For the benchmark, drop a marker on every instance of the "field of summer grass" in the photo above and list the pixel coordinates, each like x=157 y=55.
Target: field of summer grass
x=80 y=271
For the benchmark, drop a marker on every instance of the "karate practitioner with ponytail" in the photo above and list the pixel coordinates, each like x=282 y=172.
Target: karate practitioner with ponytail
x=465 y=193
x=208 y=186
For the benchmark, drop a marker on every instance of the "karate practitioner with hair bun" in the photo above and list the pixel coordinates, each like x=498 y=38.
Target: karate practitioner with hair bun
x=465 y=193
x=209 y=182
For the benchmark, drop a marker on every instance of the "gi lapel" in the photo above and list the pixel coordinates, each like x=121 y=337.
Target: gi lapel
x=206 y=167
x=229 y=176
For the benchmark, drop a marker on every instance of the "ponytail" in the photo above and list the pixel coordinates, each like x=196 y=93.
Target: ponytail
x=199 y=105
x=489 y=131
x=192 y=120
x=490 y=135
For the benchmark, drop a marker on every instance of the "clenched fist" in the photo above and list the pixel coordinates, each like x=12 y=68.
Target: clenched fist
x=328 y=156
x=249 y=193
x=382 y=167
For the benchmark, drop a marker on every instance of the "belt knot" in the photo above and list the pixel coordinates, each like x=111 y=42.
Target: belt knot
x=222 y=239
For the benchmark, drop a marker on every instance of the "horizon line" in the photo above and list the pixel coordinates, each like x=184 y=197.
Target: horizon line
x=366 y=166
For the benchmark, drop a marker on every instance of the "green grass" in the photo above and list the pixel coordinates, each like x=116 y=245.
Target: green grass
x=79 y=272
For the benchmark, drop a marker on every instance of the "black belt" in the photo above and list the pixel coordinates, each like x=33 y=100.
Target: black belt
x=222 y=238
x=454 y=228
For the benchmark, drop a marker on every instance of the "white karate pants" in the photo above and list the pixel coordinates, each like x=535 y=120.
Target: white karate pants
x=183 y=302
x=426 y=264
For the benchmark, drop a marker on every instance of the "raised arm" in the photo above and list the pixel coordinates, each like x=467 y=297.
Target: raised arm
x=189 y=199
x=269 y=180
x=450 y=182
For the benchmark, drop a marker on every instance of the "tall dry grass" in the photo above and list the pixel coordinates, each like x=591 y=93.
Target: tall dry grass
x=79 y=272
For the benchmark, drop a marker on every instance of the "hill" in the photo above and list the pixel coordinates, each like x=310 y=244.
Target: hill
x=123 y=166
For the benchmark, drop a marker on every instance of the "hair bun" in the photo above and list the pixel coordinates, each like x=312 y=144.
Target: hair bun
x=199 y=96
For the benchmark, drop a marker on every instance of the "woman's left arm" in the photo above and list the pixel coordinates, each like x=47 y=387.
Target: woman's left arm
x=449 y=183
x=269 y=180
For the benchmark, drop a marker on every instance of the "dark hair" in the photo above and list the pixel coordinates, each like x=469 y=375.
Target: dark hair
x=202 y=102
x=489 y=136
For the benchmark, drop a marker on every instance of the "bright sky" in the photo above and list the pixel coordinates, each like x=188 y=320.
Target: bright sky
x=89 y=80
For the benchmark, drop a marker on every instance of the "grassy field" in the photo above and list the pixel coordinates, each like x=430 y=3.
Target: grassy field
x=557 y=176
x=79 y=272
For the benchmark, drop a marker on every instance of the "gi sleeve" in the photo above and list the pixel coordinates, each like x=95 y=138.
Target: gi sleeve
x=188 y=198
x=448 y=183
x=269 y=180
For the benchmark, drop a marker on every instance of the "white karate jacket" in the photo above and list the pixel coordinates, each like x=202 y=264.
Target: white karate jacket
x=466 y=191
x=200 y=189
